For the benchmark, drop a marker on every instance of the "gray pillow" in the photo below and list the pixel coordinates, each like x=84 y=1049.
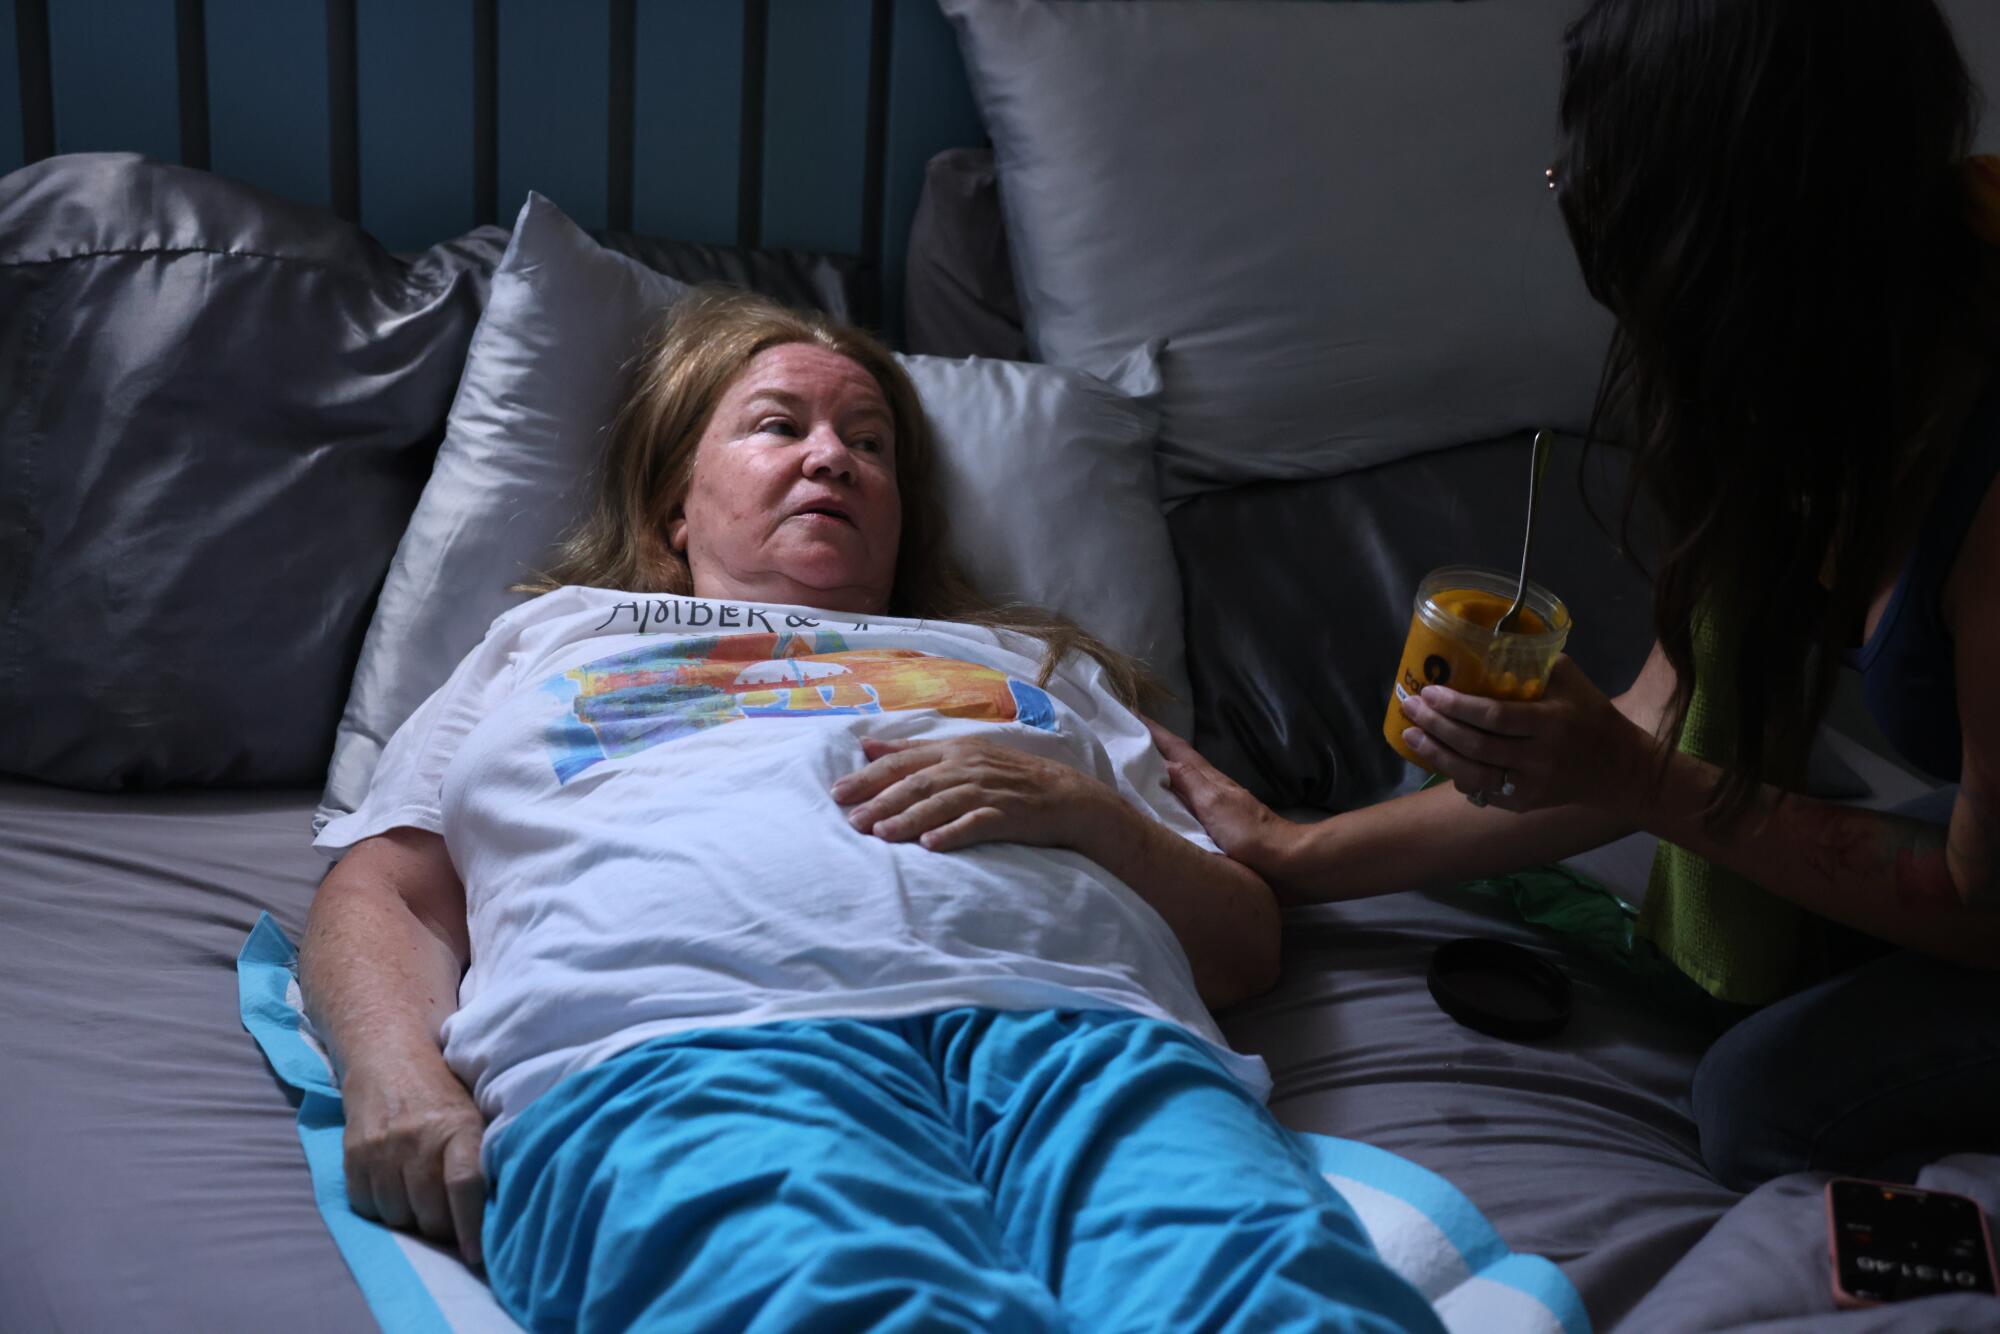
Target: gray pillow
x=1048 y=482
x=1334 y=213
x=543 y=376
x=958 y=287
x=1047 y=475
x=216 y=410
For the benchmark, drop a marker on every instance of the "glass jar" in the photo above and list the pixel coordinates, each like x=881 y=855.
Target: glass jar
x=1452 y=642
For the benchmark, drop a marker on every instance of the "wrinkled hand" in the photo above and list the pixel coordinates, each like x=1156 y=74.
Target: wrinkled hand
x=1241 y=825
x=954 y=794
x=1570 y=747
x=412 y=1151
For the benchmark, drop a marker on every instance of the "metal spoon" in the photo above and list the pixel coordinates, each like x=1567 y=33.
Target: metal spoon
x=1511 y=622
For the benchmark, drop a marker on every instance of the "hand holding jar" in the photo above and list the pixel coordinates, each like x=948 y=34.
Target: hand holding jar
x=1506 y=717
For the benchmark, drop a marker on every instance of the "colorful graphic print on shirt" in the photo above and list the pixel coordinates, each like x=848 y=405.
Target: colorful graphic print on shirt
x=632 y=701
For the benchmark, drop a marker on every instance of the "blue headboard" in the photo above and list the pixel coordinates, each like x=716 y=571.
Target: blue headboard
x=799 y=123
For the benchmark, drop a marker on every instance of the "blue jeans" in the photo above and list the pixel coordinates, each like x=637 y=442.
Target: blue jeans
x=1875 y=1071
x=970 y=1170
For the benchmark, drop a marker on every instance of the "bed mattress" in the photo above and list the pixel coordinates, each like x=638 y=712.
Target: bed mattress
x=150 y=1170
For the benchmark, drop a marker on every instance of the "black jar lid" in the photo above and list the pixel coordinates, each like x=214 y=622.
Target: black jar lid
x=1498 y=988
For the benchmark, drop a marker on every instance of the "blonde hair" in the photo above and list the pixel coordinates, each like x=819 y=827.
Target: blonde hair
x=647 y=466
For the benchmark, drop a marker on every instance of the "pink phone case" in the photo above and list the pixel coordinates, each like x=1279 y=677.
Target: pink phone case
x=1847 y=1300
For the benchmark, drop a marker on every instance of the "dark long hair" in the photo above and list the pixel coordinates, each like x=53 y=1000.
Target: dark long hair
x=1768 y=196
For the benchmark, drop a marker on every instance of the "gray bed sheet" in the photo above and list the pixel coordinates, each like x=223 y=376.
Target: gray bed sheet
x=150 y=1173
x=1580 y=1148
x=150 y=1169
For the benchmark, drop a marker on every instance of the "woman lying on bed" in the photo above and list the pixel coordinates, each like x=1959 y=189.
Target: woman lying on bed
x=832 y=953
x=1773 y=198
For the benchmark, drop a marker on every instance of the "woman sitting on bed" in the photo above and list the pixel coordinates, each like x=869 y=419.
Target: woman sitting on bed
x=832 y=952
x=1772 y=198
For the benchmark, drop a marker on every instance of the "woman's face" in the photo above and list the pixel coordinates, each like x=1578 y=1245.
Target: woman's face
x=794 y=491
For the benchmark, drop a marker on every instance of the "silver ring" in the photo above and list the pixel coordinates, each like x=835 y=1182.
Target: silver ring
x=1476 y=798
x=1506 y=783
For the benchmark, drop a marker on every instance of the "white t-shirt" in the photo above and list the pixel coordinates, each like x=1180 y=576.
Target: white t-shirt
x=635 y=793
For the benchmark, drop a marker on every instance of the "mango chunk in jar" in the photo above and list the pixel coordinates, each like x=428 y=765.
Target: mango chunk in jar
x=1452 y=643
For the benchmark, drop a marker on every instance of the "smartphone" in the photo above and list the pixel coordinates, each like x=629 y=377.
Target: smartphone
x=1892 y=1243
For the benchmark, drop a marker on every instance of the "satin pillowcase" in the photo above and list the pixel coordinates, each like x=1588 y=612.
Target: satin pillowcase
x=1047 y=477
x=216 y=411
x=1334 y=213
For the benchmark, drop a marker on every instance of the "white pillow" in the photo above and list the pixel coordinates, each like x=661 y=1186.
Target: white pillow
x=1334 y=213
x=1047 y=478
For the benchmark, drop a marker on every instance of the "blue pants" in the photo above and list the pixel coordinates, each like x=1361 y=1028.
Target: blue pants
x=971 y=1170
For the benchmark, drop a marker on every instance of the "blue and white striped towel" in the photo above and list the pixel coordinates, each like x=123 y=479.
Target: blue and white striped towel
x=1420 y=1224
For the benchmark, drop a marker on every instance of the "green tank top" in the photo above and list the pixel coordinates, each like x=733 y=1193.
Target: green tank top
x=1737 y=941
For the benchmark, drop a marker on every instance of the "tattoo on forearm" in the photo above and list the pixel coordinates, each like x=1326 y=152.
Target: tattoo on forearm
x=1873 y=847
x=1975 y=849
x=1917 y=852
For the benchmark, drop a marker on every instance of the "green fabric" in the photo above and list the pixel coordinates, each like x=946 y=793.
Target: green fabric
x=1738 y=942
x=1594 y=922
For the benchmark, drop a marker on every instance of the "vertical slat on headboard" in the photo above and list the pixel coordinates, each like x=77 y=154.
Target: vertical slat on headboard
x=36 y=106
x=12 y=151
x=750 y=124
x=416 y=95
x=486 y=110
x=268 y=105
x=619 y=106
x=343 y=113
x=112 y=77
x=881 y=36
x=688 y=99
x=191 y=54
x=552 y=99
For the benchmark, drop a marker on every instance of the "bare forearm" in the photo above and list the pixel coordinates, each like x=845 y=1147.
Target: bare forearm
x=377 y=981
x=1423 y=841
x=1222 y=913
x=1919 y=885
